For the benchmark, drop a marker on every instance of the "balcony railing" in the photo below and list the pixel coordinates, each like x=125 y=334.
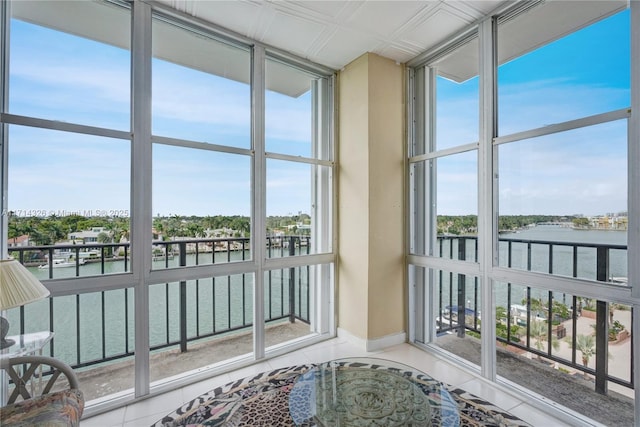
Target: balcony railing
x=459 y=298
x=96 y=327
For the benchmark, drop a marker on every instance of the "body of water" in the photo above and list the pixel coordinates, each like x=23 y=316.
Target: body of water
x=560 y=263
x=227 y=302
x=219 y=303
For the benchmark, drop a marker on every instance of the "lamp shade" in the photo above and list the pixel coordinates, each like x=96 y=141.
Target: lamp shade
x=18 y=286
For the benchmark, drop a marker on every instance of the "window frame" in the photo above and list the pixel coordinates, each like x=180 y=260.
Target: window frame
x=141 y=275
x=421 y=102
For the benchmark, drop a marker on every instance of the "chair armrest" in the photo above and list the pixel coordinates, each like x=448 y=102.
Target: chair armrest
x=37 y=375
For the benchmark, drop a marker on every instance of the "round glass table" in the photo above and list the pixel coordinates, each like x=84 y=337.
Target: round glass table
x=370 y=392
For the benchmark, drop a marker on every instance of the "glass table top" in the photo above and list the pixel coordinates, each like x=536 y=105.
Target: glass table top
x=370 y=392
x=26 y=344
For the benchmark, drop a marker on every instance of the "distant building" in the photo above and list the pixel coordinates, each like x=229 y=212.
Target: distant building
x=609 y=222
x=88 y=236
x=20 y=241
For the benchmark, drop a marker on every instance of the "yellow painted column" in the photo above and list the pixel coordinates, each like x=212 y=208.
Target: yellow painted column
x=371 y=199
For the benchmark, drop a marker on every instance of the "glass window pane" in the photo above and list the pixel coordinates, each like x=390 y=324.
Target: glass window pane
x=456 y=113
x=65 y=65
x=457 y=206
x=549 y=343
x=561 y=194
x=201 y=88
x=290 y=225
x=454 y=303
x=217 y=323
x=457 y=110
x=201 y=205
x=88 y=328
x=288 y=110
x=288 y=303
x=82 y=206
x=419 y=195
x=584 y=73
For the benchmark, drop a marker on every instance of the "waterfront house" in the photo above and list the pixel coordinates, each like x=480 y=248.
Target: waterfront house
x=88 y=236
x=374 y=118
x=19 y=241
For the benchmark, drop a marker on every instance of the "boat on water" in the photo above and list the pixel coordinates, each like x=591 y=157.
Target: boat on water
x=61 y=263
x=620 y=280
x=450 y=316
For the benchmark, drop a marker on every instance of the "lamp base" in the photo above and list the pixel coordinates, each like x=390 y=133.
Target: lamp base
x=4 y=328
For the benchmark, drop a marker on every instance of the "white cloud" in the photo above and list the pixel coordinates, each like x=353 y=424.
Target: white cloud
x=579 y=171
x=196 y=182
x=57 y=171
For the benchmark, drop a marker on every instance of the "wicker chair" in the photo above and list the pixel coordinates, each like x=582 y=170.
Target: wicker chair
x=45 y=392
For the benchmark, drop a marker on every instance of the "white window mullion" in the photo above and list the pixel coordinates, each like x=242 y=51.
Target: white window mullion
x=414 y=327
x=5 y=20
x=259 y=189
x=141 y=215
x=487 y=193
x=4 y=155
x=633 y=238
x=633 y=251
x=320 y=289
x=431 y=205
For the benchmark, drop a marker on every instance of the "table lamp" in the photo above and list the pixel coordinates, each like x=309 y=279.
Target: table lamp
x=17 y=287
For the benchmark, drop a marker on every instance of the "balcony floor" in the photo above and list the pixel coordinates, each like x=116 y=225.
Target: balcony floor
x=539 y=376
x=151 y=410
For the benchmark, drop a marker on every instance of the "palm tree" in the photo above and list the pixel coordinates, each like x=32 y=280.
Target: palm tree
x=54 y=230
x=501 y=313
x=106 y=238
x=194 y=229
x=586 y=344
x=540 y=332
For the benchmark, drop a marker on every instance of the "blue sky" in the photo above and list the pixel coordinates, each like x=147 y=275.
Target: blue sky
x=577 y=172
x=61 y=173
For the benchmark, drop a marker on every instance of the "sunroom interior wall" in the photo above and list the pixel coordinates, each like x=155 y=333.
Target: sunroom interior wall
x=353 y=198
x=386 y=202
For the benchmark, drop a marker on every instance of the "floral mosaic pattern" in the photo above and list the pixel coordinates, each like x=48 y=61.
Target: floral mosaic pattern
x=283 y=397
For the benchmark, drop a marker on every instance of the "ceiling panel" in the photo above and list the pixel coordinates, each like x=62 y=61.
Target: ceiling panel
x=481 y=7
x=436 y=28
x=330 y=10
x=401 y=53
x=334 y=33
x=386 y=18
x=283 y=25
x=240 y=16
x=344 y=46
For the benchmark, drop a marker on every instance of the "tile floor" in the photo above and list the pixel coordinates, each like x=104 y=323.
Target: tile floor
x=147 y=412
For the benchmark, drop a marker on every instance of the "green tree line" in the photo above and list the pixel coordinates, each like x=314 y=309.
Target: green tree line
x=468 y=224
x=48 y=230
x=51 y=229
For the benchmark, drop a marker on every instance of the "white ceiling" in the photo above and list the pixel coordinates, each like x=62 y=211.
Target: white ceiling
x=335 y=32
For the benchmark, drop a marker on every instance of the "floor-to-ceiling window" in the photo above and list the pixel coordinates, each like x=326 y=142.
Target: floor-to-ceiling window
x=170 y=184
x=67 y=175
x=528 y=119
x=444 y=196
